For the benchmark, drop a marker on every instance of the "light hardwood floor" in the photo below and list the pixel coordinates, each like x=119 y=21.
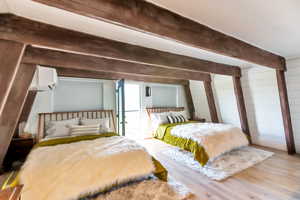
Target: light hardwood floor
x=277 y=178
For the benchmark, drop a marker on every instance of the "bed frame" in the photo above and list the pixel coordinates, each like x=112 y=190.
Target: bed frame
x=59 y=116
x=163 y=109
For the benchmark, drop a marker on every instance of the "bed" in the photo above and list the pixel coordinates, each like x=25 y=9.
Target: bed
x=88 y=166
x=206 y=141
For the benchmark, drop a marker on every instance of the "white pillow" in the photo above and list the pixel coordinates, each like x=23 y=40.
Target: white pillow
x=59 y=128
x=183 y=113
x=102 y=123
x=159 y=119
x=76 y=130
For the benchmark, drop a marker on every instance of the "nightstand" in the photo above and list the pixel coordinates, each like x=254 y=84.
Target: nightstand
x=13 y=193
x=18 y=150
x=199 y=120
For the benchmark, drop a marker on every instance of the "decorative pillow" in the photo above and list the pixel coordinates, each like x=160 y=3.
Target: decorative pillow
x=183 y=113
x=84 y=130
x=159 y=119
x=59 y=128
x=176 y=119
x=102 y=123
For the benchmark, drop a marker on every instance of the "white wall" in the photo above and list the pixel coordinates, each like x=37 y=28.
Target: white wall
x=263 y=107
x=43 y=103
x=68 y=100
x=78 y=94
x=225 y=100
x=293 y=85
x=200 y=100
x=261 y=99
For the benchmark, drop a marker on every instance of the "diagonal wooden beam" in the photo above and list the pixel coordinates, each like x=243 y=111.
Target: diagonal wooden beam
x=211 y=102
x=84 y=62
x=36 y=33
x=189 y=100
x=13 y=106
x=146 y=17
x=286 y=114
x=10 y=56
x=241 y=106
x=117 y=76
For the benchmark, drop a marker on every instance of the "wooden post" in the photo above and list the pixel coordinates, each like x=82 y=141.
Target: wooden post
x=10 y=57
x=285 y=109
x=211 y=102
x=241 y=105
x=13 y=106
x=189 y=99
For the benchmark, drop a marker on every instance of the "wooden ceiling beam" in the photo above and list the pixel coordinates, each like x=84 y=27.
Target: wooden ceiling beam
x=117 y=76
x=40 y=34
x=84 y=62
x=147 y=17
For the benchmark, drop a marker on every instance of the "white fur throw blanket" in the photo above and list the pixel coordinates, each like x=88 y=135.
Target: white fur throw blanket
x=215 y=138
x=68 y=171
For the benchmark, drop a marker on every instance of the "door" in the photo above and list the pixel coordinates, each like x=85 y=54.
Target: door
x=120 y=90
x=132 y=110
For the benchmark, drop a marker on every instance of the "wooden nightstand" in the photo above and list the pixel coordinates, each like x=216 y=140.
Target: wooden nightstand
x=13 y=193
x=18 y=150
x=199 y=120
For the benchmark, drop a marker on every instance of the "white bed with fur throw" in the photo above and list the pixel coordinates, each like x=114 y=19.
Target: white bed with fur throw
x=98 y=166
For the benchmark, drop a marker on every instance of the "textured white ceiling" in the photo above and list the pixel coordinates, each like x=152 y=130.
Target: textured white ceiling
x=3 y=7
x=270 y=24
x=58 y=17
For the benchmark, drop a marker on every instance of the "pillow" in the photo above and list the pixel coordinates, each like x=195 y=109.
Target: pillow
x=59 y=128
x=183 y=113
x=84 y=130
x=158 y=119
x=176 y=119
x=102 y=123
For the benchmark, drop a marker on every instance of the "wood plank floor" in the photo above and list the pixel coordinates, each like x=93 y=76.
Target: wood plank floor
x=277 y=178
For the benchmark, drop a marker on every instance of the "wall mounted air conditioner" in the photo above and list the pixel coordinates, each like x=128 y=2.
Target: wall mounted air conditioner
x=45 y=79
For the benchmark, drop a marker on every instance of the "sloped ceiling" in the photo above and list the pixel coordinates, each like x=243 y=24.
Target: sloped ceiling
x=3 y=7
x=270 y=24
x=36 y=11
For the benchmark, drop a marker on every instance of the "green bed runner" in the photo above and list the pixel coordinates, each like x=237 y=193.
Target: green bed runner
x=68 y=140
x=164 y=133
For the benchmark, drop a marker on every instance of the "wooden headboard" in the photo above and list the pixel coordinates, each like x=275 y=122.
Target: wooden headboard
x=59 y=116
x=163 y=109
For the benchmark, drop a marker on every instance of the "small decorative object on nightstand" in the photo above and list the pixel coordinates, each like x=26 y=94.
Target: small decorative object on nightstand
x=13 y=193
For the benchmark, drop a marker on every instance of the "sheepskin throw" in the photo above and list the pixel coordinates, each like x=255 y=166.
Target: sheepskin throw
x=216 y=139
x=70 y=171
